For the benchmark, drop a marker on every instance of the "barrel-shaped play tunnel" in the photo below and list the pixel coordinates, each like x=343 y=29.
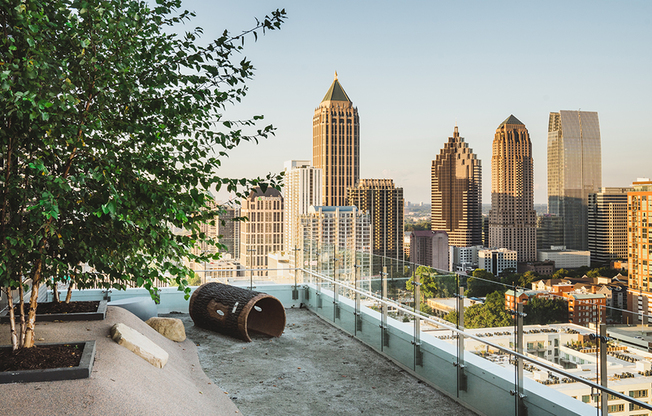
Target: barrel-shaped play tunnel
x=235 y=311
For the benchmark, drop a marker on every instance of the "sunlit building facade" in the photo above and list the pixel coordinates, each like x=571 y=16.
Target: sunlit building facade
x=336 y=144
x=456 y=193
x=384 y=202
x=512 y=219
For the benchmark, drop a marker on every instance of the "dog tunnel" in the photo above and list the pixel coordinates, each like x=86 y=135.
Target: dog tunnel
x=235 y=311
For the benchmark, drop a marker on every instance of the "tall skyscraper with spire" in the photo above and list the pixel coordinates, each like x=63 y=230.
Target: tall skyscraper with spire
x=512 y=219
x=574 y=171
x=336 y=144
x=456 y=184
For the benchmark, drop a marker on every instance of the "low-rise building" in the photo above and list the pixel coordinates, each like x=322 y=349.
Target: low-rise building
x=497 y=260
x=565 y=258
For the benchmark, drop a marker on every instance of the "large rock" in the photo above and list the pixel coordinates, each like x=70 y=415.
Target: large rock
x=139 y=344
x=170 y=328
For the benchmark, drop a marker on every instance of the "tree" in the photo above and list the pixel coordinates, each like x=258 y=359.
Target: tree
x=433 y=284
x=481 y=284
x=112 y=134
x=545 y=311
x=490 y=314
x=560 y=274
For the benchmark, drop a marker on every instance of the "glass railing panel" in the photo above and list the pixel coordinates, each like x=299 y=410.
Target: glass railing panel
x=437 y=367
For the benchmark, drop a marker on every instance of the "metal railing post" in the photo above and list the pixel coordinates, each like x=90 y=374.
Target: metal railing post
x=604 y=401
x=336 y=305
x=358 y=317
x=383 y=324
x=518 y=392
x=461 y=377
x=418 y=356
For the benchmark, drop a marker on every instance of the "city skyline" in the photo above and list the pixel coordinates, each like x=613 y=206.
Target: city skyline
x=413 y=74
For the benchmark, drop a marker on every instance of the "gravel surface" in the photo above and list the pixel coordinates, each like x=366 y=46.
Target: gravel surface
x=313 y=369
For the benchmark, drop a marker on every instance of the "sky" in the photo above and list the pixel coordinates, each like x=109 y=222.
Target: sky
x=415 y=69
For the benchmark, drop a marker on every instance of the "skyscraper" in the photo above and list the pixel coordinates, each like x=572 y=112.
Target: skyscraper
x=301 y=190
x=574 y=171
x=384 y=202
x=638 y=240
x=607 y=219
x=336 y=144
x=512 y=219
x=456 y=183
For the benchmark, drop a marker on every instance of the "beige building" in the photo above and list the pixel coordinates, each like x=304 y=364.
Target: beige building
x=639 y=255
x=263 y=232
x=608 y=225
x=384 y=202
x=456 y=183
x=302 y=185
x=429 y=248
x=336 y=144
x=512 y=219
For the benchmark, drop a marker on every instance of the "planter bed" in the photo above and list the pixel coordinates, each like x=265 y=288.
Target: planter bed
x=83 y=370
x=98 y=315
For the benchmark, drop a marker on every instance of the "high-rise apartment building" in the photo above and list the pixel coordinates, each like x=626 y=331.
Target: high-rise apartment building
x=341 y=234
x=574 y=171
x=301 y=190
x=263 y=232
x=429 y=248
x=512 y=219
x=228 y=230
x=456 y=184
x=550 y=231
x=607 y=220
x=639 y=241
x=384 y=202
x=336 y=144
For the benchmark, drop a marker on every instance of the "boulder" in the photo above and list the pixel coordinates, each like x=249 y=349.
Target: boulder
x=139 y=344
x=170 y=328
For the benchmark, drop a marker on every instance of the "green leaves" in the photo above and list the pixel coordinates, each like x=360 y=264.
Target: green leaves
x=109 y=124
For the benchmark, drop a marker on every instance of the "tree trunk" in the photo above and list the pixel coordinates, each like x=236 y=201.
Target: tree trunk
x=12 y=322
x=33 y=301
x=21 y=311
x=55 y=292
x=69 y=294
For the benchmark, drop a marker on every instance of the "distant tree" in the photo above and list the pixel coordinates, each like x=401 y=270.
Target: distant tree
x=544 y=311
x=490 y=314
x=560 y=274
x=418 y=226
x=433 y=284
x=482 y=283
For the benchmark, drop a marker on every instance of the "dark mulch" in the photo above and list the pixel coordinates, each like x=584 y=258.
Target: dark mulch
x=40 y=357
x=62 y=307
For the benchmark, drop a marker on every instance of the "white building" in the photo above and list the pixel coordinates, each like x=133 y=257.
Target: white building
x=301 y=190
x=564 y=258
x=464 y=259
x=496 y=260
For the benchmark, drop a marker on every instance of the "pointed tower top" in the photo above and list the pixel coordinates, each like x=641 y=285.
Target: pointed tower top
x=456 y=132
x=336 y=92
x=511 y=120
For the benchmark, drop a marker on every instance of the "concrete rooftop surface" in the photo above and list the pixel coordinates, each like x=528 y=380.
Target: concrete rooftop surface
x=313 y=369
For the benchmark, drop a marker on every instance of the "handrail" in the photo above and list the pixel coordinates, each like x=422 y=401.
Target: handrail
x=400 y=307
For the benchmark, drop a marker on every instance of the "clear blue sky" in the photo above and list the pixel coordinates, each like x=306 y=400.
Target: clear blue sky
x=415 y=68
